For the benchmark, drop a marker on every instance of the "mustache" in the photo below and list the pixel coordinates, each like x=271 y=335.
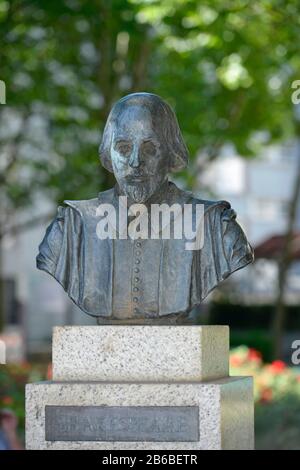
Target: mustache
x=139 y=174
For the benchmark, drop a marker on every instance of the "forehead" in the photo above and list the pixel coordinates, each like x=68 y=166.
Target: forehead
x=135 y=121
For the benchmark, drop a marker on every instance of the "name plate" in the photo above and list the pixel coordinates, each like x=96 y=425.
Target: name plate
x=122 y=423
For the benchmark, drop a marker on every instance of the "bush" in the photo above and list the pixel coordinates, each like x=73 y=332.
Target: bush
x=13 y=378
x=272 y=382
x=277 y=398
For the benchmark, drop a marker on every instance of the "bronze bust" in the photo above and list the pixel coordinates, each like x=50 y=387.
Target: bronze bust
x=141 y=279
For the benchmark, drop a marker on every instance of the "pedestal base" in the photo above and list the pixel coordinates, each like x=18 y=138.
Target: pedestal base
x=140 y=353
x=213 y=415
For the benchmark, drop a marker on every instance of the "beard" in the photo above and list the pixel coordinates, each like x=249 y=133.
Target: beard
x=139 y=192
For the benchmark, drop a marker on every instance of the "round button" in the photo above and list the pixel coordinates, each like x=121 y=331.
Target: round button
x=136 y=279
x=135 y=289
x=136 y=310
x=138 y=252
x=137 y=261
x=136 y=270
x=135 y=299
x=138 y=244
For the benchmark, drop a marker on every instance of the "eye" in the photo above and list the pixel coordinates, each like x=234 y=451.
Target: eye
x=148 y=148
x=124 y=148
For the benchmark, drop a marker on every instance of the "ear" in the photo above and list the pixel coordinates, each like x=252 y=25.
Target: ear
x=105 y=145
x=106 y=162
x=176 y=163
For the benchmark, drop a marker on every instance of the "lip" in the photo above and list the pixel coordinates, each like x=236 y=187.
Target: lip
x=136 y=178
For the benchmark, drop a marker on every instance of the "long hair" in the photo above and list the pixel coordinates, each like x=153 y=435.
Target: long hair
x=165 y=120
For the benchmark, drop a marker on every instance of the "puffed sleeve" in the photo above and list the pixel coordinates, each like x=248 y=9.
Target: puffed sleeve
x=237 y=249
x=50 y=247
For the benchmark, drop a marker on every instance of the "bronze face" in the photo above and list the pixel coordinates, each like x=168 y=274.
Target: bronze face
x=139 y=154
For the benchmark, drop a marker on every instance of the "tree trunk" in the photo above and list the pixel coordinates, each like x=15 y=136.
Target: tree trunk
x=284 y=264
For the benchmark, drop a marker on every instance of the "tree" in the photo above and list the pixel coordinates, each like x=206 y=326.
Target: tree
x=284 y=264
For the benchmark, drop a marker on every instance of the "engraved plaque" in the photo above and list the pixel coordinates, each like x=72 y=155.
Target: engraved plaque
x=122 y=423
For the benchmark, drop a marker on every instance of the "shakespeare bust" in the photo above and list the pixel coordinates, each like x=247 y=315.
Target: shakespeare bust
x=124 y=256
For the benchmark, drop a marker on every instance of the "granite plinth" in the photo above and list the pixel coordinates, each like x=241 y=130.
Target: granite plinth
x=140 y=352
x=225 y=408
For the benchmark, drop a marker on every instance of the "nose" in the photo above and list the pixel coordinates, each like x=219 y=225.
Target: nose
x=134 y=161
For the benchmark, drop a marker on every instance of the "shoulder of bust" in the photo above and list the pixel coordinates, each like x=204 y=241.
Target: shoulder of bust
x=215 y=205
x=83 y=207
x=87 y=207
x=209 y=206
x=187 y=197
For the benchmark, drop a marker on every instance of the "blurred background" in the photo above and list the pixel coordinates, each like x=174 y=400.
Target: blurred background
x=231 y=71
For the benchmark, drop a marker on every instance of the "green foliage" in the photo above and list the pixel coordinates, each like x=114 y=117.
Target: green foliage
x=13 y=378
x=277 y=398
x=256 y=339
x=277 y=425
x=241 y=316
x=226 y=68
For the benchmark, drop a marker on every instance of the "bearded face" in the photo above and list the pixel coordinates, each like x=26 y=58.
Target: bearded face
x=139 y=159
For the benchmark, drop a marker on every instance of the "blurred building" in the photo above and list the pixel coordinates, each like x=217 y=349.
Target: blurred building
x=259 y=189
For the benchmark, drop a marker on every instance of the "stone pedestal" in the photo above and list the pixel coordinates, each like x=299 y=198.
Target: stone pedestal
x=140 y=387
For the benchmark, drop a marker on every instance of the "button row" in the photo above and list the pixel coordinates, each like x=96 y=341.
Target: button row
x=136 y=270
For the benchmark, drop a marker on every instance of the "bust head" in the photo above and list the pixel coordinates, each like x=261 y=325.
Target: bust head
x=141 y=143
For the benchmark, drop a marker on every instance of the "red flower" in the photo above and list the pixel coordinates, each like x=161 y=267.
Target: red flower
x=277 y=366
x=236 y=361
x=49 y=372
x=254 y=355
x=266 y=395
x=7 y=400
x=26 y=365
